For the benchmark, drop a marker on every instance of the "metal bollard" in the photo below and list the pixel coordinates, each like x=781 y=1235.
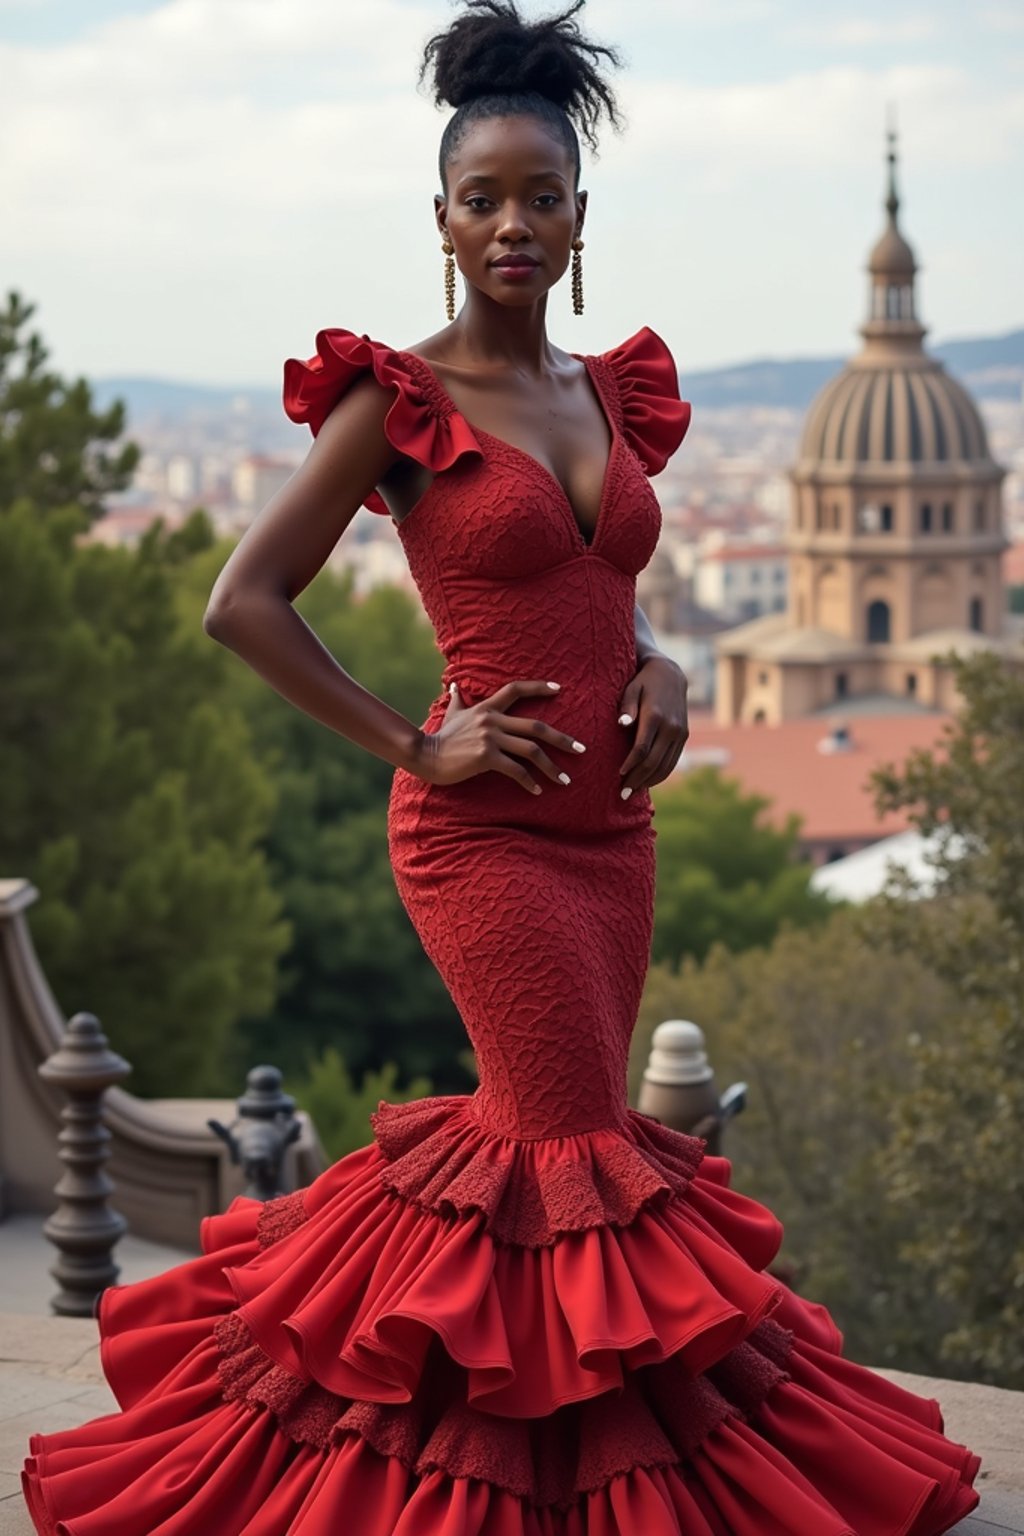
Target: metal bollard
x=83 y=1228
x=678 y=1085
x=266 y=1125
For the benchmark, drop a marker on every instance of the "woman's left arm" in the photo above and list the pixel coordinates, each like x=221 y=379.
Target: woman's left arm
x=655 y=699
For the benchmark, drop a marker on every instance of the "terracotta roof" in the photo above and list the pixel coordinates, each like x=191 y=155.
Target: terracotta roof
x=1013 y=565
x=809 y=644
x=730 y=552
x=966 y=642
x=827 y=790
x=753 y=632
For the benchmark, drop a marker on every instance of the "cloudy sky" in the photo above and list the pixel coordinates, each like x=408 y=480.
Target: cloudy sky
x=192 y=188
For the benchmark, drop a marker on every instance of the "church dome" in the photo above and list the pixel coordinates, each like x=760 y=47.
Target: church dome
x=893 y=403
x=892 y=255
x=895 y=412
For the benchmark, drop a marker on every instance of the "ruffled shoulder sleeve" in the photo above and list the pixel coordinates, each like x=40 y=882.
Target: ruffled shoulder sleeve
x=422 y=422
x=655 y=419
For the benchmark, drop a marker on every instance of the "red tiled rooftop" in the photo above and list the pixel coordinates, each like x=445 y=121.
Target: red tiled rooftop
x=1013 y=565
x=732 y=552
x=827 y=790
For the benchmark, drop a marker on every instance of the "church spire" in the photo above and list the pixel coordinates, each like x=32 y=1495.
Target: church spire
x=892 y=321
x=892 y=202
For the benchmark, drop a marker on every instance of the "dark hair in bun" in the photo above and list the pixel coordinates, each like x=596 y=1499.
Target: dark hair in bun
x=492 y=63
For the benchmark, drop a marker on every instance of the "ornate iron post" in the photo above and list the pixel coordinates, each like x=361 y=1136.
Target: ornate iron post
x=266 y=1125
x=83 y=1228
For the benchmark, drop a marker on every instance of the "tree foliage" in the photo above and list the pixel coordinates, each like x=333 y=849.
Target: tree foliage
x=52 y=438
x=956 y=1159
x=339 y=1108
x=885 y=1057
x=212 y=864
x=725 y=875
x=820 y=1026
x=130 y=797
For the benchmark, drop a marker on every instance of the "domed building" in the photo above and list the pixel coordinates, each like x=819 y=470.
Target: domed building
x=895 y=536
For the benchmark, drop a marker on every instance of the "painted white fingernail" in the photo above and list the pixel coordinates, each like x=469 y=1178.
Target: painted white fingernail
x=554 y=685
x=453 y=687
x=626 y=792
x=625 y=719
x=578 y=746
x=565 y=778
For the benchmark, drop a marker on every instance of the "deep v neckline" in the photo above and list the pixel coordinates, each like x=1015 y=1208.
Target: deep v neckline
x=587 y=545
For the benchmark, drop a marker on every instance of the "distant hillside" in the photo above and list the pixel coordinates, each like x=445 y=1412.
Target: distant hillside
x=148 y=397
x=992 y=368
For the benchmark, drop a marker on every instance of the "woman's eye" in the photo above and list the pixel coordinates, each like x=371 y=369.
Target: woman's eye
x=477 y=202
x=546 y=199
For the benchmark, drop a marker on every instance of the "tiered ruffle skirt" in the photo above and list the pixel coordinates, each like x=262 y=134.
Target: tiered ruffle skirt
x=456 y=1333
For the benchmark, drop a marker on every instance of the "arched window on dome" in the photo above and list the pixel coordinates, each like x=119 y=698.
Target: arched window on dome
x=977 y=619
x=878 y=622
x=947 y=517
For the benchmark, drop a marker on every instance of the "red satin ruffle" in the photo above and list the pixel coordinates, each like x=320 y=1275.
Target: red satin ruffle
x=656 y=420
x=347 y=1351
x=417 y=424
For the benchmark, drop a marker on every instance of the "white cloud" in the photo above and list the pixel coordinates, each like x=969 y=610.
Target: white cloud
x=1002 y=18
x=867 y=32
x=825 y=118
x=195 y=189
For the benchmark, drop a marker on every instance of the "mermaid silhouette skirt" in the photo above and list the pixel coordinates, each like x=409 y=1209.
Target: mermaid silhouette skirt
x=529 y=1310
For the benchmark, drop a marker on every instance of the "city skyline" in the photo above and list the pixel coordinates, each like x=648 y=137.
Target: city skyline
x=182 y=200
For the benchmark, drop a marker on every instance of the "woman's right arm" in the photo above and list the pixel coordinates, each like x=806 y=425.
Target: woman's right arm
x=250 y=607
x=250 y=611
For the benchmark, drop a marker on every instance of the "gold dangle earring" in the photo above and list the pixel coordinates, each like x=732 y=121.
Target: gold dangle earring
x=449 y=278
x=577 y=277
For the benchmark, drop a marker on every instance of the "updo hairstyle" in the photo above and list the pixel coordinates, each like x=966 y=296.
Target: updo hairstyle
x=492 y=63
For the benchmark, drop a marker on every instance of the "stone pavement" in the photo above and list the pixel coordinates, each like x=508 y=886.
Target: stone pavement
x=26 y=1257
x=50 y=1379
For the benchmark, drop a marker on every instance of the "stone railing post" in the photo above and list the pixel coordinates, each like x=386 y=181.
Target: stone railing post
x=678 y=1085
x=83 y=1228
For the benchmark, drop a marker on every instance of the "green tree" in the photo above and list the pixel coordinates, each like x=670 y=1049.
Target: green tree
x=339 y=1109
x=130 y=797
x=822 y=1027
x=725 y=875
x=957 y=1154
x=51 y=437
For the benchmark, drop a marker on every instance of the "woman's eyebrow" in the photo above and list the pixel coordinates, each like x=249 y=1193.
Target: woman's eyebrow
x=483 y=178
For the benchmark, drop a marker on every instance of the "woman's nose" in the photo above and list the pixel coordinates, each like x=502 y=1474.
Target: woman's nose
x=513 y=224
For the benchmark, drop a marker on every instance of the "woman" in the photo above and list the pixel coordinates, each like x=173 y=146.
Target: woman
x=530 y=1310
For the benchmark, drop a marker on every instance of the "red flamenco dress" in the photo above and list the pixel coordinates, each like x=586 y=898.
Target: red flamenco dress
x=530 y=1310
